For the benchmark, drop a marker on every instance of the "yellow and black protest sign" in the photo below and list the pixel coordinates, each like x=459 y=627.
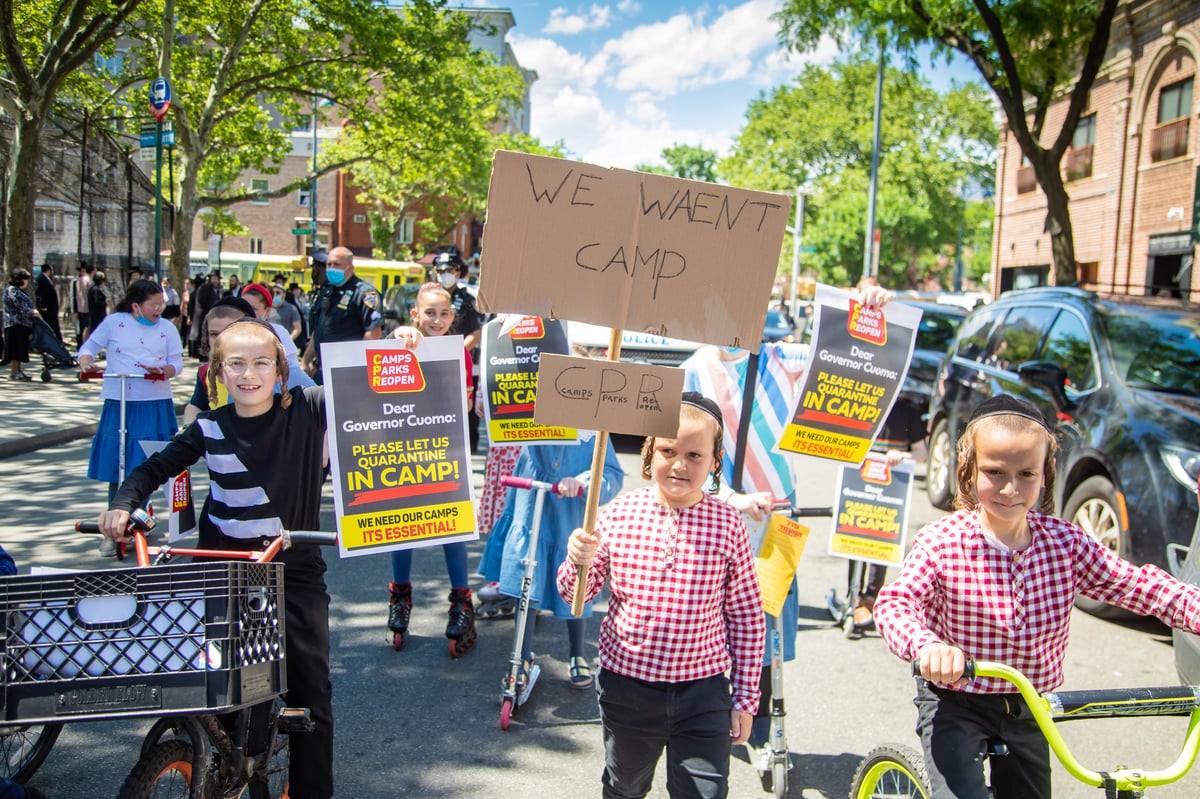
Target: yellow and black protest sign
x=398 y=444
x=510 y=379
x=859 y=359
x=871 y=511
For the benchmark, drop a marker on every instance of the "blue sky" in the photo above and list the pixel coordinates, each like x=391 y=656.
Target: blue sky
x=619 y=81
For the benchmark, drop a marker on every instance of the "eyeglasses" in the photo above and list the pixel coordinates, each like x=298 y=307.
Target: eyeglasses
x=259 y=365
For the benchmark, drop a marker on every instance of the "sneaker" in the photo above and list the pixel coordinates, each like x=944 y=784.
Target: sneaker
x=862 y=616
x=108 y=548
x=21 y=376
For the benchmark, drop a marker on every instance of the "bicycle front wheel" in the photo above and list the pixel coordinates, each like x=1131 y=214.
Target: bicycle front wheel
x=891 y=771
x=25 y=747
x=163 y=772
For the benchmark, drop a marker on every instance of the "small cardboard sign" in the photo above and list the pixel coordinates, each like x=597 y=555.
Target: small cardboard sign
x=630 y=250
x=398 y=450
x=858 y=359
x=633 y=398
x=871 y=511
x=510 y=380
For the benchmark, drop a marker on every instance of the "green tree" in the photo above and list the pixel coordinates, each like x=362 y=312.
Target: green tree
x=1030 y=52
x=245 y=74
x=686 y=161
x=45 y=44
x=817 y=133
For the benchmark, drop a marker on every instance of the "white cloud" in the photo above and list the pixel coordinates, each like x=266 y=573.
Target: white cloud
x=562 y=22
x=683 y=52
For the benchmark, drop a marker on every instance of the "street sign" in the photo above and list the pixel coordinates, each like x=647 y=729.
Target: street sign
x=301 y=231
x=148 y=134
x=160 y=97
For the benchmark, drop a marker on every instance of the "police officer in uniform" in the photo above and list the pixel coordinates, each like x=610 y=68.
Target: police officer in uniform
x=468 y=323
x=345 y=309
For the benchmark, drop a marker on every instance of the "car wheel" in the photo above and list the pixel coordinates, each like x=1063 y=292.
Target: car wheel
x=1094 y=507
x=939 y=473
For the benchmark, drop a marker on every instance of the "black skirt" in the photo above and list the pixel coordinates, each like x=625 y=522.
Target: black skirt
x=16 y=343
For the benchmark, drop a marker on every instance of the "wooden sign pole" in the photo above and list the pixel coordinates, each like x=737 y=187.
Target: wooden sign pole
x=597 y=477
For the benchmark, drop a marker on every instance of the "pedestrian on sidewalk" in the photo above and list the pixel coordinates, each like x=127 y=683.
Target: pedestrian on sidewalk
x=137 y=341
x=18 y=323
x=46 y=296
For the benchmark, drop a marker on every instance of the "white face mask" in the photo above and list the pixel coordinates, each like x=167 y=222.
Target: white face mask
x=448 y=280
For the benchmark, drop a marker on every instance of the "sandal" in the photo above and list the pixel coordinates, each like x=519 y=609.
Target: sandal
x=581 y=674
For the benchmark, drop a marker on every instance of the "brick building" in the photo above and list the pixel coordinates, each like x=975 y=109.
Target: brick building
x=1132 y=172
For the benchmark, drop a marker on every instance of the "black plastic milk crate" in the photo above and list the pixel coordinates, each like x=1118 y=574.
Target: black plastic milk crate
x=194 y=637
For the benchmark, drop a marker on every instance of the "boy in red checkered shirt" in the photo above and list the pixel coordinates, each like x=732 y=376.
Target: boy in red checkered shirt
x=996 y=581
x=685 y=611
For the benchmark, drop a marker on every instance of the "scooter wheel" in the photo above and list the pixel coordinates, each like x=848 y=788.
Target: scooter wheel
x=506 y=709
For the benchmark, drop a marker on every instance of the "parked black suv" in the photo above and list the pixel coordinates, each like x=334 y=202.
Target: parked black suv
x=1120 y=379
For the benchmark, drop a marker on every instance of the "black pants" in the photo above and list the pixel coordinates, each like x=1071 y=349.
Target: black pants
x=955 y=726
x=690 y=719
x=307 y=607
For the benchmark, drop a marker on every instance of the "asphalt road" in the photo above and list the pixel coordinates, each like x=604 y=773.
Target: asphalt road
x=419 y=724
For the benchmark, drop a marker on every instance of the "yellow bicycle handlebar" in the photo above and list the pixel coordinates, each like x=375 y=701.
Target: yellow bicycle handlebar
x=1055 y=707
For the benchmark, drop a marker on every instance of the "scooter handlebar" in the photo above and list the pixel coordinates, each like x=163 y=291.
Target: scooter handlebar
x=528 y=483
x=85 y=376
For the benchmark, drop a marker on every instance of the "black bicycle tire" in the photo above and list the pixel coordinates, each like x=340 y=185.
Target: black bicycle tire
x=28 y=766
x=145 y=774
x=890 y=759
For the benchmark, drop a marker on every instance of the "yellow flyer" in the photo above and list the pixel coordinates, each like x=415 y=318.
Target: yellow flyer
x=778 y=559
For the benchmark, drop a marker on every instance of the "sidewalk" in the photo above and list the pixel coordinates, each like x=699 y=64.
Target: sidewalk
x=38 y=415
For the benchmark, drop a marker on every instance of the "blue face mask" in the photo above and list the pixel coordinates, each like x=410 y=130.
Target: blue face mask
x=336 y=277
x=144 y=321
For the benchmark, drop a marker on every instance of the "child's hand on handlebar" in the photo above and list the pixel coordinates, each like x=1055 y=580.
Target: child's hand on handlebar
x=113 y=524
x=943 y=664
x=581 y=547
x=756 y=505
x=570 y=487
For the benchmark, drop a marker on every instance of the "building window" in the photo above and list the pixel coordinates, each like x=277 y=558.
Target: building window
x=48 y=220
x=302 y=196
x=404 y=234
x=1170 y=138
x=1079 y=157
x=256 y=246
x=1026 y=180
x=360 y=219
x=259 y=185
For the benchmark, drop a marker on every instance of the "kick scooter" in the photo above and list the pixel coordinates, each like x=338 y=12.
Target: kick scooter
x=122 y=429
x=513 y=693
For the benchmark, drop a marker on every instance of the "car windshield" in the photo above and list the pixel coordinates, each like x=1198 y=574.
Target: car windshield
x=936 y=330
x=776 y=321
x=1155 y=349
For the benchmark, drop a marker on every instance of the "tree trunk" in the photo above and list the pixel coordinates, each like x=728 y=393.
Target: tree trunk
x=1058 y=223
x=185 y=219
x=24 y=157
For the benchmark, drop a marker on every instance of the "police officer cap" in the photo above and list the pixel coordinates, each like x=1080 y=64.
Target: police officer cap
x=448 y=260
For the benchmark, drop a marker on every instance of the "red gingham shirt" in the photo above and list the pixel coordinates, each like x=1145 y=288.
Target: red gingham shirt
x=955 y=587
x=685 y=601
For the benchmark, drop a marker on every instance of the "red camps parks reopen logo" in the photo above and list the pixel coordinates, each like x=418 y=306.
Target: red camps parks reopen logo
x=873 y=471
x=529 y=327
x=394 y=371
x=866 y=323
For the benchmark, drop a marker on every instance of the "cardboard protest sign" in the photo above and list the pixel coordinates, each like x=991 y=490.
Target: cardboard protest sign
x=634 y=398
x=398 y=444
x=630 y=250
x=510 y=380
x=778 y=558
x=859 y=359
x=871 y=511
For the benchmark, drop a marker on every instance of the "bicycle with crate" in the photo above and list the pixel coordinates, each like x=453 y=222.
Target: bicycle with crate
x=896 y=770
x=198 y=645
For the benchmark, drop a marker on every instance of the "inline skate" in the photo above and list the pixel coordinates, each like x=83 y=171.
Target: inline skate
x=461 y=627
x=399 y=611
x=494 y=603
